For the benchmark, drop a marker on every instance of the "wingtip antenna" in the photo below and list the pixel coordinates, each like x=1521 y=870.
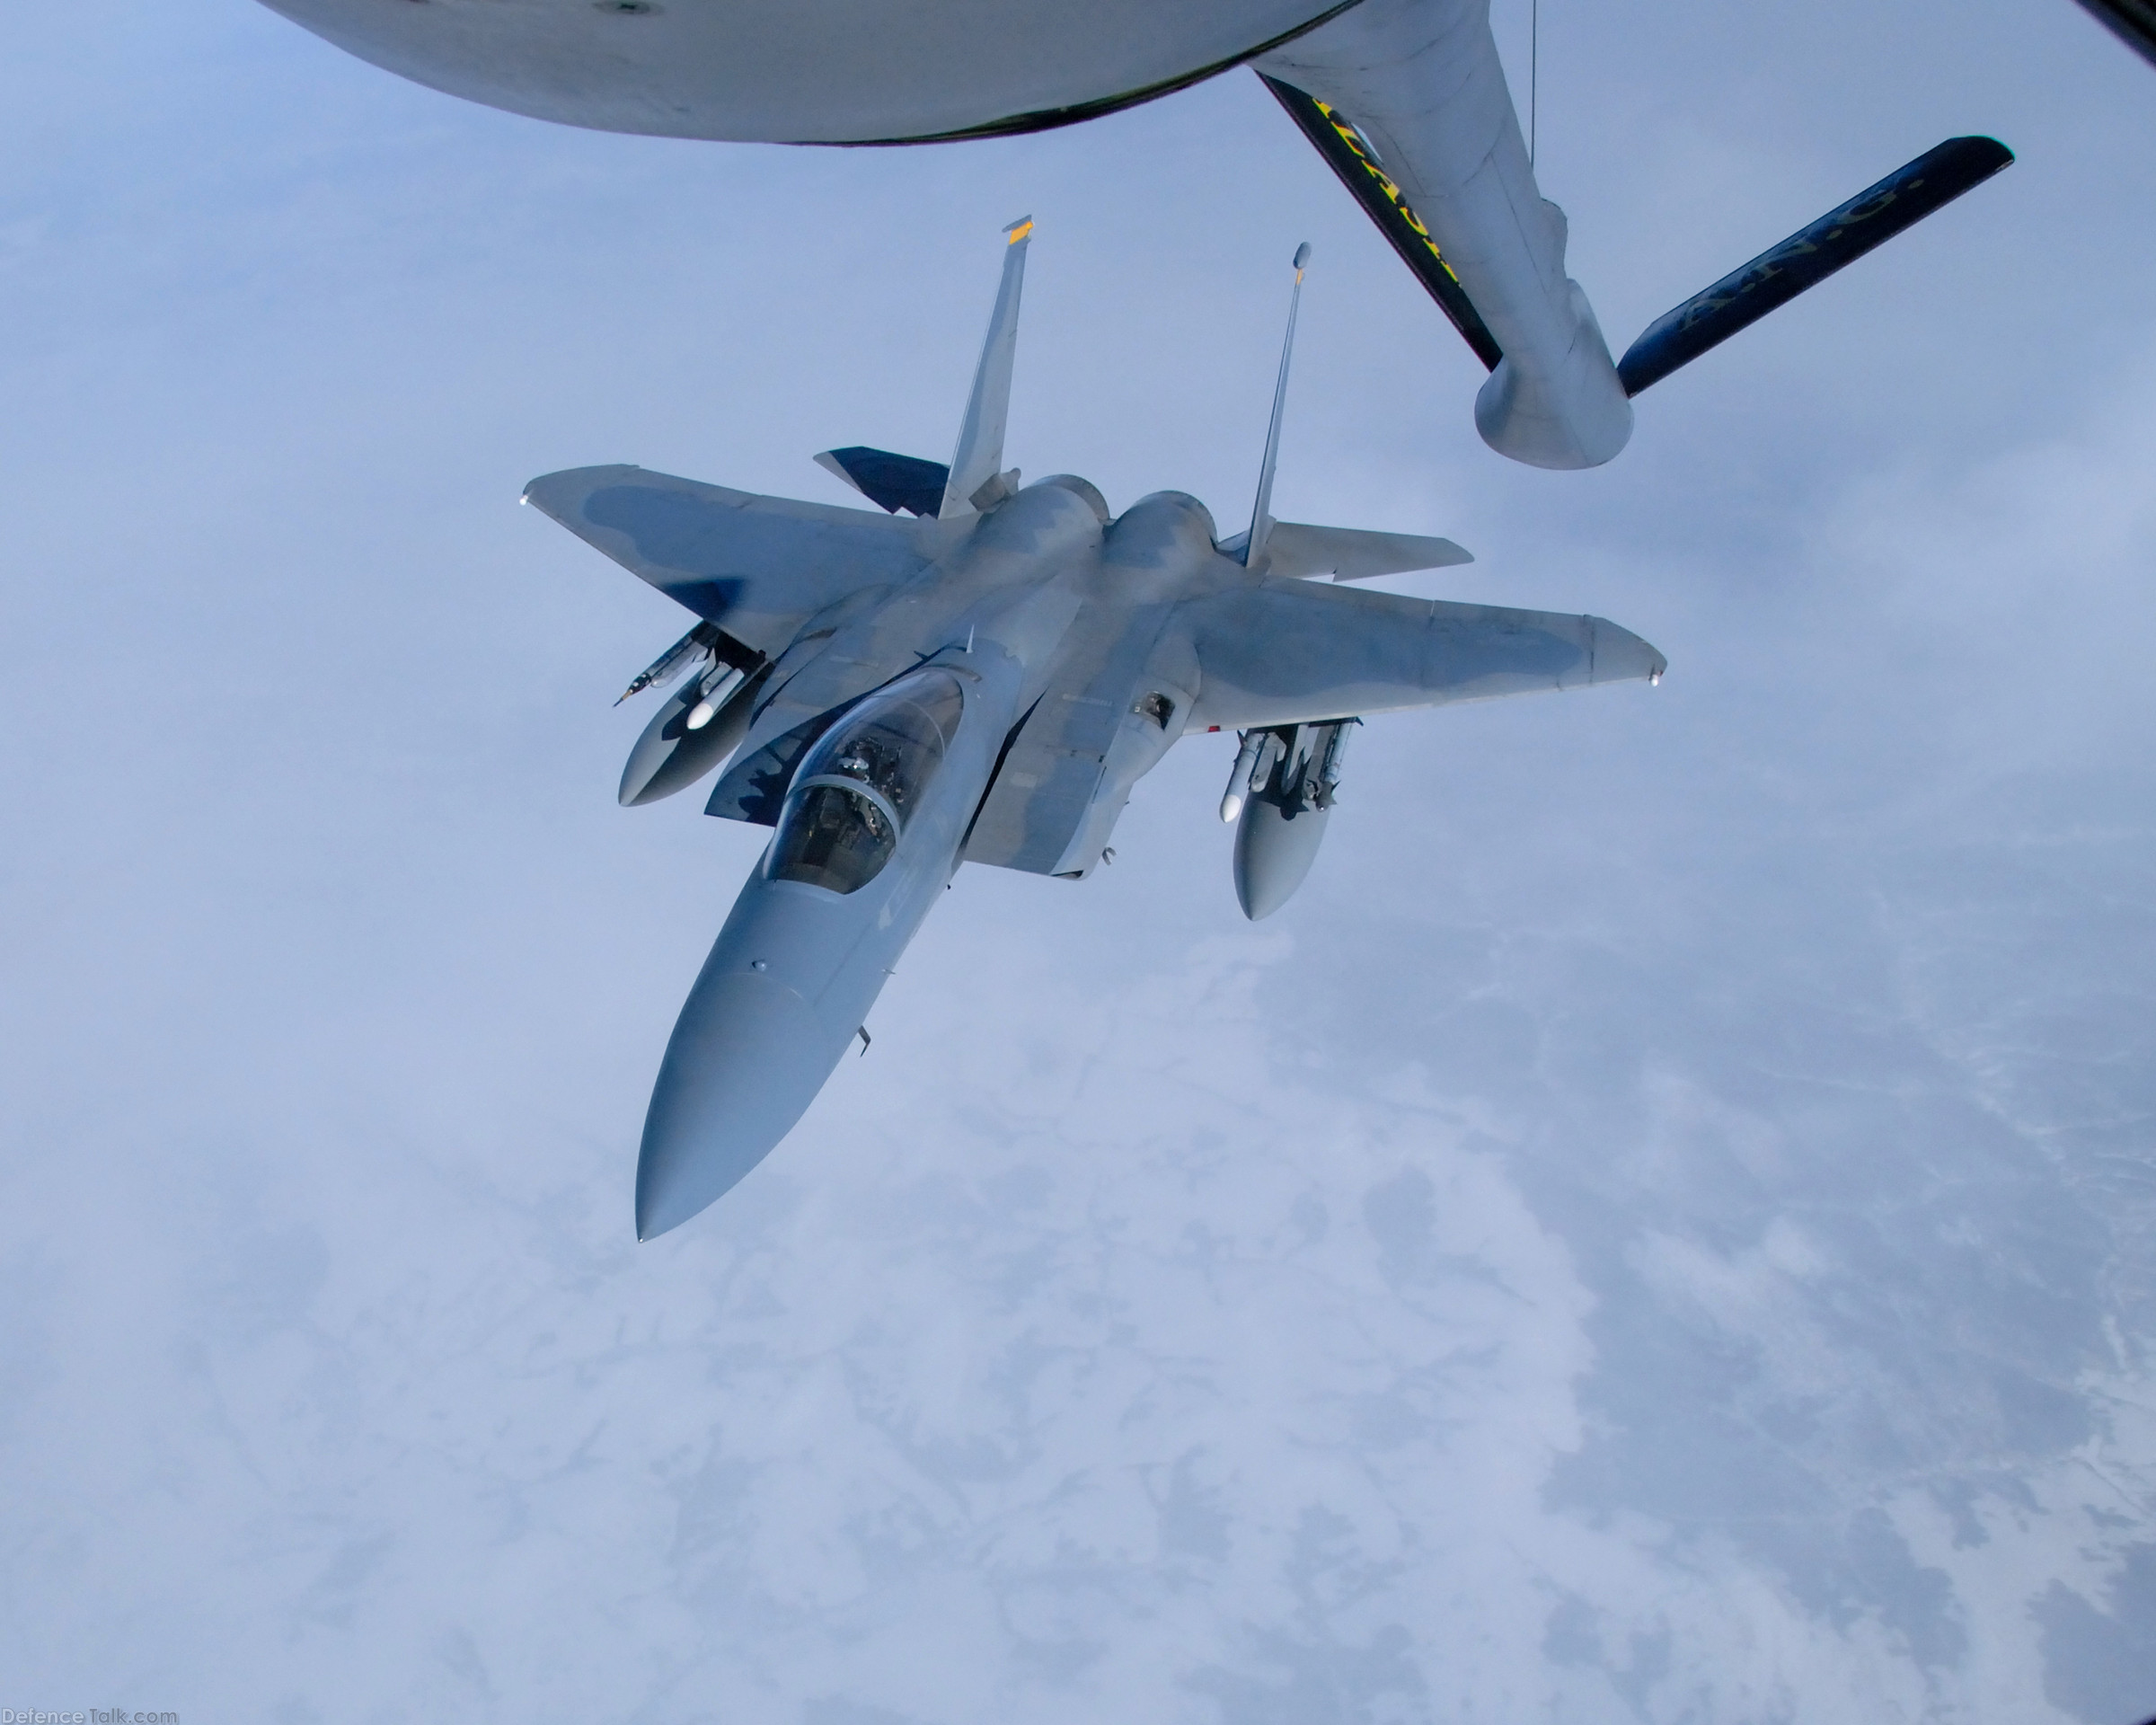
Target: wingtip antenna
x=1262 y=520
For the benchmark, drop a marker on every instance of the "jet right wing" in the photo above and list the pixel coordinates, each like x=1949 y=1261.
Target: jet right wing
x=758 y=567
x=1281 y=652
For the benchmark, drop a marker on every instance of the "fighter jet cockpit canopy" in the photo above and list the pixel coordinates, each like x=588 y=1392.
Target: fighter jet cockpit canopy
x=858 y=785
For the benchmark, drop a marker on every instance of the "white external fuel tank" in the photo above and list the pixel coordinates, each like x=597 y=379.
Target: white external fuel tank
x=675 y=750
x=1290 y=777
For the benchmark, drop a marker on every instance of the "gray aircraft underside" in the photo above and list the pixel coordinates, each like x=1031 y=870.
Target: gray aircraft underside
x=986 y=682
x=1405 y=100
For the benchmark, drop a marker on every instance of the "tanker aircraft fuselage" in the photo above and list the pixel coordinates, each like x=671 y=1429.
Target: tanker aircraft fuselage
x=1405 y=100
x=984 y=682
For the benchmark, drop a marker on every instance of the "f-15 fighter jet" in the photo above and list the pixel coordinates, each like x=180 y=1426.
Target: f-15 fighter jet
x=980 y=672
x=1405 y=100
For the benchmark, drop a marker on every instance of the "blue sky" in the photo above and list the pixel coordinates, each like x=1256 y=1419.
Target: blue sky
x=1659 y=1229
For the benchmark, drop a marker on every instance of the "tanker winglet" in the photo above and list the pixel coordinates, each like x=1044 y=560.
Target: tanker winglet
x=977 y=463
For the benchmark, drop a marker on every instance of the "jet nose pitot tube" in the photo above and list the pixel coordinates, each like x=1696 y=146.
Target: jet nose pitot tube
x=1292 y=777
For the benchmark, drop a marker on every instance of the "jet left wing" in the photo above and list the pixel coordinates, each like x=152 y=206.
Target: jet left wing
x=1281 y=652
x=758 y=567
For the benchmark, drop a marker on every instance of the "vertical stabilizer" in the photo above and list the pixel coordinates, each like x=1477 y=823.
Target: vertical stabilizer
x=976 y=464
x=1262 y=520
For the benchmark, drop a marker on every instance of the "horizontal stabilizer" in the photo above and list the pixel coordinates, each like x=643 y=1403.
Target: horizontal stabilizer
x=1774 y=277
x=891 y=482
x=1354 y=554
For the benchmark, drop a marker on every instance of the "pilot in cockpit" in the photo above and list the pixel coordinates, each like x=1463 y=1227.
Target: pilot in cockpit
x=876 y=768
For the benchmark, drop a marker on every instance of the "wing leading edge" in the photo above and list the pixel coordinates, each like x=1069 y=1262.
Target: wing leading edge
x=759 y=567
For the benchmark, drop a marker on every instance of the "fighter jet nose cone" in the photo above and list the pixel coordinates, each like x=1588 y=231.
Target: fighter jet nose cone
x=746 y=1058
